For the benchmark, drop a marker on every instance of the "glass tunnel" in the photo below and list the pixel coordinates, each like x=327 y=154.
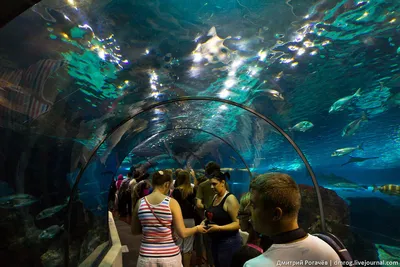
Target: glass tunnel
x=90 y=88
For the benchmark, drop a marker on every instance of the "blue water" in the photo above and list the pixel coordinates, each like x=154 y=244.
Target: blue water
x=82 y=85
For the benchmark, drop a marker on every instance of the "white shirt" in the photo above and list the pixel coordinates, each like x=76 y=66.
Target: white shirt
x=311 y=251
x=244 y=236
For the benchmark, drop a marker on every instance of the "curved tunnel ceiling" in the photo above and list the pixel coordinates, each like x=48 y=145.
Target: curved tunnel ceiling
x=145 y=123
x=97 y=70
x=137 y=152
x=83 y=67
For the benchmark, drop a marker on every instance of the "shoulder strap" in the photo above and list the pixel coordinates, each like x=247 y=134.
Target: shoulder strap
x=212 y=202
x=255 y=247
x=148 y=205
x=223 y=200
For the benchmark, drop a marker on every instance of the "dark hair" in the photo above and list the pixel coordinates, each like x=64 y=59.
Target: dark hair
x=244 y=254
x=137 y=174
x=278 y=190
x=201 y=179
x=221 y=176
x=211 y=167
x=142 y=177
x=161 y=177
x=177 y=172
x=129 y=174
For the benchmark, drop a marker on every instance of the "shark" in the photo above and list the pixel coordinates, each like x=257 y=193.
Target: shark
x=355 y=159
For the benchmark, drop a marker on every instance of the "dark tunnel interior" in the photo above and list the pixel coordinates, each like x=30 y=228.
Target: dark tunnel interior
x=90 y=88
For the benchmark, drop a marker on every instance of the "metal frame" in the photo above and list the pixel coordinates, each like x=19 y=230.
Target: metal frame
x=202 y=98
x=207 y=132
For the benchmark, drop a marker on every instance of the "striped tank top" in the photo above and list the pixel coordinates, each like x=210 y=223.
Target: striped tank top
x=157 y=239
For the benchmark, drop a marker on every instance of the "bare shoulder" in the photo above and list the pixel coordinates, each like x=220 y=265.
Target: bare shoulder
x=231 y=199
x=173 y=202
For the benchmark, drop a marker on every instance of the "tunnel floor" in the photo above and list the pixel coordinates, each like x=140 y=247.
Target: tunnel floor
x=132 y=242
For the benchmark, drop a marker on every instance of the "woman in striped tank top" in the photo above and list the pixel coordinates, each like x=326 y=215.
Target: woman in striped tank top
x=156 y=216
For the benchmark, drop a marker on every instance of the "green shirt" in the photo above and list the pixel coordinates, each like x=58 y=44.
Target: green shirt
x=205 y=193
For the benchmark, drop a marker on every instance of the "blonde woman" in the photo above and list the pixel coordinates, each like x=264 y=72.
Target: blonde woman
x=153 y=216
x=185 y=196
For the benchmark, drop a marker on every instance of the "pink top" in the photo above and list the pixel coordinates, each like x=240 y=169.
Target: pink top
x=119 y=181
x=255 y=247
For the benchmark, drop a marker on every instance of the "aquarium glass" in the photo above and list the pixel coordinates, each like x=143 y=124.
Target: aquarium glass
x=90 y=88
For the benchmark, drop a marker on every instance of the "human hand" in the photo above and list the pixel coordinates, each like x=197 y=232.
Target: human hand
x=213 y=228
x=201 y=229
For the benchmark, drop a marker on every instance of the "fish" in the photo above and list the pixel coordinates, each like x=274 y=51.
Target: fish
x=142 y=168
x=381 y=86
x=51 y=232
x=394 y=99
x=233 y=160
x=130 y=126
x=147 y=152
x=274 y=94
x=355 y=159
x=234 y=169
x=204 y=149
x=346 y=185
x=302 y=126
x=227 y=169
x=189 y=164
x=50 y=211
x=276 y=169
x=213 y=50
x=353 y=126
x=17 y=201
x=174 y=156
x=257 y=161
x=180 y=117
x=341 y=103
x=389 y=189
x=24 y=89
x=347 y=150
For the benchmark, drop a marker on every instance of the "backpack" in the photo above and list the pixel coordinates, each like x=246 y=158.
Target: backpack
x=338 y=246
x=124 y=188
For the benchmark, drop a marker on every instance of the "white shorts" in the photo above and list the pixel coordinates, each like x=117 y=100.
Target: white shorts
x=186 y=244
x=175 y=261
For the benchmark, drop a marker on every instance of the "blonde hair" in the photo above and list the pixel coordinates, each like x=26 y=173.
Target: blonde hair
x=183 y=181
x=244 y=201
x=278 y=190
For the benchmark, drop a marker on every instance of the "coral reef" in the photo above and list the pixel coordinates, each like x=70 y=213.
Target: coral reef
x=337 y=220
x=333 y=180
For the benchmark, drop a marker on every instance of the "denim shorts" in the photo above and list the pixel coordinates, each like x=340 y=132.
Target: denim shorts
x=175 y=261
x=224 y=248
x=186 y=244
